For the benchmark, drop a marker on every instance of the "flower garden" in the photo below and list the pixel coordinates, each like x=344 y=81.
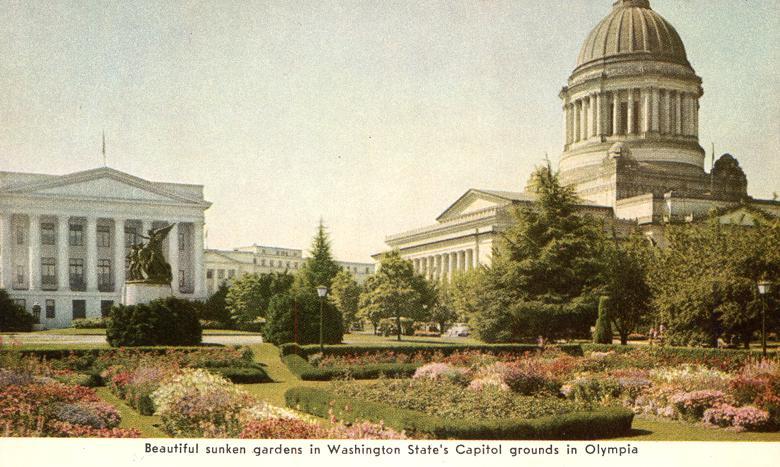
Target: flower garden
x=422 y=392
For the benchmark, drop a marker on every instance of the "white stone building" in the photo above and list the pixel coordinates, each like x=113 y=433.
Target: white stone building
x=64 y=238
x=222 y=266
x=631 y=148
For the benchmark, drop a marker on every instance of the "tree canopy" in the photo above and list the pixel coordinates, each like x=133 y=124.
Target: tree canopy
x=345 y=295
x=545 y=269
x=249 y=296
x=396 y=291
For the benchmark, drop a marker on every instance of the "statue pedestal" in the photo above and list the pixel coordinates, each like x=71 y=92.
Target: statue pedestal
x=140 y=292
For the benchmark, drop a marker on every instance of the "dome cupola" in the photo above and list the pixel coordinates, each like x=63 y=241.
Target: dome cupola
x=633 y=31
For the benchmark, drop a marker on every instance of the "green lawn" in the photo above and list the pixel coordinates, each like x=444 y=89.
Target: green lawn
x=372 y=340
x=102 y=332
x=646 y=429
x=131 y=418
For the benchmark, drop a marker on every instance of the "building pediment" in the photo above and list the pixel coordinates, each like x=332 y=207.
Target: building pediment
x=474 y=201
x=103 y=183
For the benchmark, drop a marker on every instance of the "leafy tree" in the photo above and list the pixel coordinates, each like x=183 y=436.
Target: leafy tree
x=12 y=316
x=545 y=269
x=320 y=268
x=215 y=307
x=395 y=291
x=603 y=332
x=295 y=317
x=443 y=312
x=625 y=282
x=345 y=295
x=704 y=282
x=249 y=296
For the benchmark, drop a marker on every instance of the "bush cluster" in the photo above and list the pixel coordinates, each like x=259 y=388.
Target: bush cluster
x=601 y=423
x=304 y=370
x=90 y=323
x=169 y=321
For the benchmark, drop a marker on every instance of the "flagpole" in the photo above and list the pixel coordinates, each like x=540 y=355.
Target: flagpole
x=104 y=149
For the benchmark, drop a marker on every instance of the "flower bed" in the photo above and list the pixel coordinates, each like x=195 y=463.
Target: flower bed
x=599 y=423
x=40 y=406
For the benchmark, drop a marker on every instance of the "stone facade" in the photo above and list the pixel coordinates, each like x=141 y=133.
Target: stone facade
x=223 y=266
x=631 y=148
x=64 y=239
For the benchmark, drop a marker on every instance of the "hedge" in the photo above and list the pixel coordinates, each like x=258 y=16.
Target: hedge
x=243 y=374
x=59 y=353
x=446 y=349
x=304 y=370
x=601 y=423
x=722 y=358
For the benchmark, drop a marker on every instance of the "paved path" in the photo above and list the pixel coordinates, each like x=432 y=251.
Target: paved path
x=36 y=338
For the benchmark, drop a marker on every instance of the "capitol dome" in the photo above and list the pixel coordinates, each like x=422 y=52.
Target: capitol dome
x=633 y=31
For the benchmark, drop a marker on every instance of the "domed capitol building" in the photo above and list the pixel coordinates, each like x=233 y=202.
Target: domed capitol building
x=631 y=149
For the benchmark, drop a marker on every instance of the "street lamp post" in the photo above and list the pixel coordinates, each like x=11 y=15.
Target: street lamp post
x=321 y=292
x=764 y=288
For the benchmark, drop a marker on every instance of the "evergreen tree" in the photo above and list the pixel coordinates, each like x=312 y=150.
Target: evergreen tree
x=603 y=332
x=545 y=269
x=295 y=317
x=345 y=295
x=320 y=268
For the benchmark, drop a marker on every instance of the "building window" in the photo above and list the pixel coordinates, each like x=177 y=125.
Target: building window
x=231 y=273
x=181 y=279
x=367 y=270
x=262 y=262
x=209 y=274
x=19 y=276
x=104 y=275
x=131 y=236
x=20 y=235
x=79 y=309
x=76 y=274
x=21 y=302
x=220 y=273
x=105 y=307
x=47 y=234
x=182 y=241
x=36 y=312
x=50 y=309
x=48 y=273
x=76 y=235
x=103 y=236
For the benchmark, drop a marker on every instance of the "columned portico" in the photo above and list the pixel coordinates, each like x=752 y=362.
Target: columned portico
x=65 y=250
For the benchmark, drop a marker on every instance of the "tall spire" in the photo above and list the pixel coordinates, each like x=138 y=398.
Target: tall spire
x=104 y=149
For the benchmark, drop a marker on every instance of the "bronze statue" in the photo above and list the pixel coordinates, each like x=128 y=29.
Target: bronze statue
x=147 y=263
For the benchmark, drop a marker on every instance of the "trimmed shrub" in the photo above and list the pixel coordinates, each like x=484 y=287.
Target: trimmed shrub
x=307 y=372
x=243 y=375
x=169 y=321
x=603 y=332
x=90 y=323
x=13 y=317
x=602 y=423
x=444 y=349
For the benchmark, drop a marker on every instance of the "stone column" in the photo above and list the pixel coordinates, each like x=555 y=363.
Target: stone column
x=645 y=99
x=584 y=122
x=630 y=130
x=453 y=264
x=90 y=239
x=615 y=113
x=565 y=124
x=119 y=254
x=576 y=121
x=679 y=115
x=689 y=111
x=462 y=261
x=63 y=260
x=34 y=247
x=655 y=102
x=695 y=116
x=599 y=123
x=173 y=256
x=476 y=249
x=199 y=273
x=667 y=110
x=5 y=250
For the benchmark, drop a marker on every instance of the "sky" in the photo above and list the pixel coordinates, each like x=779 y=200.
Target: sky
x=372 y=115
